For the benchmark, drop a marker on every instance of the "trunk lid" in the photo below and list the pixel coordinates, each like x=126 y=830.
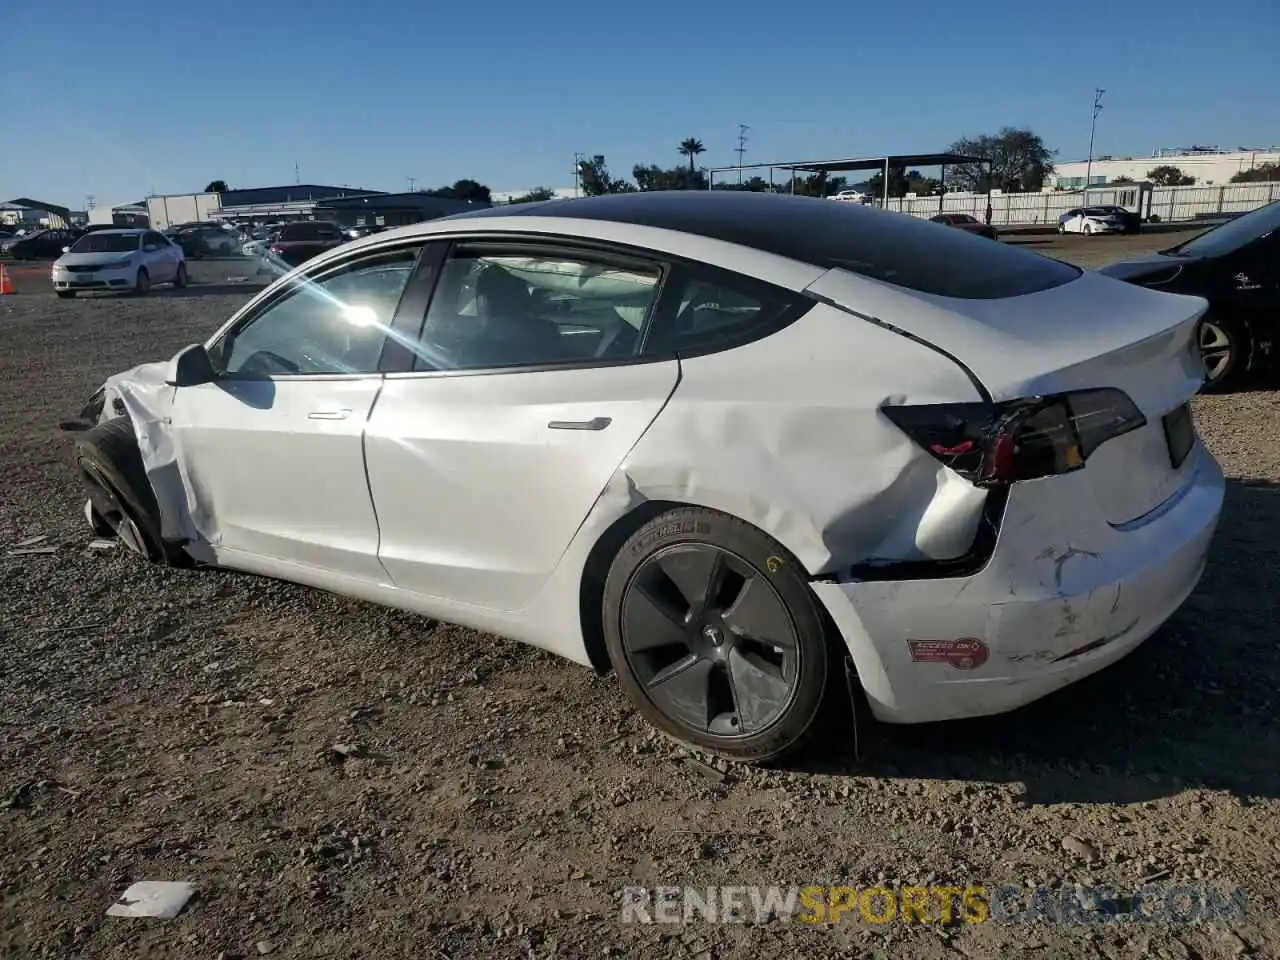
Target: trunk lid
x=1089 y=333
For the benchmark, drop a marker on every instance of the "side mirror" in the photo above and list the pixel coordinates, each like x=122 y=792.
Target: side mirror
x=191 y=367
x=66 y=249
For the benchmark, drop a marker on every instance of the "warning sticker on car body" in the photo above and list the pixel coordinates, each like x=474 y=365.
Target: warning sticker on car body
x=963 y=653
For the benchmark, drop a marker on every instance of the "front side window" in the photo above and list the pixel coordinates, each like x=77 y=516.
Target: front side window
x=335 y=323
x=500 y=309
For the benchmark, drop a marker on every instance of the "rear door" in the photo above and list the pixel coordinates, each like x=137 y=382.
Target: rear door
x=526 y=391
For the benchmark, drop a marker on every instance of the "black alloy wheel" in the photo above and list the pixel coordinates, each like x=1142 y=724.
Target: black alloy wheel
x=717 y=637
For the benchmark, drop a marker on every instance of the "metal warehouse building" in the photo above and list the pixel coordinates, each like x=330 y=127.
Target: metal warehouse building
x=276 y=203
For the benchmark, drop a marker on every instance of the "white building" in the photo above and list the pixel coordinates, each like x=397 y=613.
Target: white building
x=1210 y=167
x=506 y=196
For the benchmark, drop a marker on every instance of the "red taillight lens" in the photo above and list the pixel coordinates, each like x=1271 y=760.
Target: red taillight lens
x=993 y=444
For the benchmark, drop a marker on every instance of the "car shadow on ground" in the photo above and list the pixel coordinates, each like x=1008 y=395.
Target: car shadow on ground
x=1193 y=707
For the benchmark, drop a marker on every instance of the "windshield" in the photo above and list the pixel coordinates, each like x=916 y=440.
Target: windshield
x=106 y=243
x=1232 y=235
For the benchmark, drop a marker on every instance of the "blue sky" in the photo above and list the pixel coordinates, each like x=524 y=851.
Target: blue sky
x=121 y=99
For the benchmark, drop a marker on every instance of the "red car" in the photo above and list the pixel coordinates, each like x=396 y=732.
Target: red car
x=300 y=241
x=963 y=221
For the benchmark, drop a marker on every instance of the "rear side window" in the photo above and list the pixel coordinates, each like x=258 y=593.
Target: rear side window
x=711 y=310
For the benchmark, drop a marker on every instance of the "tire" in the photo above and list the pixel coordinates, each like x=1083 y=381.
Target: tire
x=110 y=467
x=181 y=279
x=142 y=286
x=65 y=294
x=1088 y=230
x=760 y=591
x=1062 y=229
x=1224 y=345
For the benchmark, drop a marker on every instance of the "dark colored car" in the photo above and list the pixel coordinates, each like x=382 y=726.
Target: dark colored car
x=204 y=241
x=1236 y=267
x=299 y=242
x=962 y=221
x=43 y=245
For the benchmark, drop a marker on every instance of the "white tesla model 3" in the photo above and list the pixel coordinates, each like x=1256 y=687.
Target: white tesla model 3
x=716 y=442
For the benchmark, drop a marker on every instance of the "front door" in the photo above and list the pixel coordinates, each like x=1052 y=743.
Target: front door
x=528 y=393
x=273 y=448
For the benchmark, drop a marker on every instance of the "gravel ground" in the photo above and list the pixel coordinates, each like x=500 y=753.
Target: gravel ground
x=339 y=780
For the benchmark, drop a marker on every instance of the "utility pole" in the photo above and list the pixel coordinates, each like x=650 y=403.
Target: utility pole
x=578 y=160
x=1097 y=109
x=297 y=172
x=412 y=181
x=741 y=148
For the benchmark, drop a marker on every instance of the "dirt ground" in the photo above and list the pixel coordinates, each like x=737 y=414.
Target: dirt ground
x=340 y=780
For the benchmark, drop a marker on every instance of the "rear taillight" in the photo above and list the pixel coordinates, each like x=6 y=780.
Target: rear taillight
x=994 y=444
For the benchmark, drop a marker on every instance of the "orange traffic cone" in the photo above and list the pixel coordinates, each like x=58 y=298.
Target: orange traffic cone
x=6 y=285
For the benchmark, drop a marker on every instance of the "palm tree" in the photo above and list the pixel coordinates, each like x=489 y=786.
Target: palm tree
x=690 y=148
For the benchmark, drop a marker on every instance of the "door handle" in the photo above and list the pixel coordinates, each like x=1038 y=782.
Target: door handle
x=595 y=423
x=329 y=414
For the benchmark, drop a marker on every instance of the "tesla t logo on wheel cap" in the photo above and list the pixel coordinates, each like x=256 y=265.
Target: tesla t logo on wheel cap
x=963 y=653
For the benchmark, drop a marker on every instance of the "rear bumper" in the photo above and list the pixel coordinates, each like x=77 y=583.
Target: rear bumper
x=1064 y=595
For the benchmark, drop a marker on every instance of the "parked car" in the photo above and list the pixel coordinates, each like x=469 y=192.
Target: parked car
x=962 y=221
x=1090 y=220
x=41 y=245
x=718 y=442
x=120 y=260
x=1236 y=267
x=1130 y=220
x=205 y=241
x=299 y=242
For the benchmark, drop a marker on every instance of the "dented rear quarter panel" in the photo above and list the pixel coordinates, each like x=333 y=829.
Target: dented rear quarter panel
x=785 y=433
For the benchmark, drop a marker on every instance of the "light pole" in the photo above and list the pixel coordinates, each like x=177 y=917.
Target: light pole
x=1097 y=109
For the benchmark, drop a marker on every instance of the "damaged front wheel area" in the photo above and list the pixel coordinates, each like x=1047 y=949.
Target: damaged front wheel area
x=120 y=496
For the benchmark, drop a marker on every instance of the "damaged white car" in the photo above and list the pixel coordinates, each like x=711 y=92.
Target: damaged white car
x=720 y=443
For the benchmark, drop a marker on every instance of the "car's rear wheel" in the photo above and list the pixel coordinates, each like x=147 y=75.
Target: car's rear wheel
x=1062 y=228
x=717 y=638
x=1224 y=348
x=120 y=493
x=1088 y=229
x=180 y=278
x=142 y=284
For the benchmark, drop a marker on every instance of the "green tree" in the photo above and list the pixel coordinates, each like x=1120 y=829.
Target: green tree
x=690 y=147
x=1020 y=162
x=471 y=190
x=1262 y=173
x=217 y=186
x=1123 y=180
x=813 y=185
x=902 y=182
x=750 y=185
x=596 y=180
x=463 y=190
x=1167 y=175
x=536 y=195
x=653 y=177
